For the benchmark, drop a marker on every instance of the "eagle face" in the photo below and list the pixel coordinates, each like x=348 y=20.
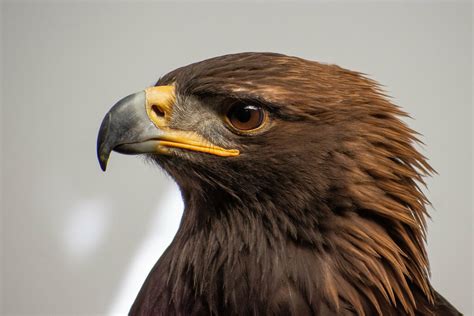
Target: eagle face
x=241 y=123
x=300 y=185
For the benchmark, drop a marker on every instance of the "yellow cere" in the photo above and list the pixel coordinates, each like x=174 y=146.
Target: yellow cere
x=161 y=99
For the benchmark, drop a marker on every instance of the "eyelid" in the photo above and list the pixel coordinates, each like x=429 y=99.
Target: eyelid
x=230 y=102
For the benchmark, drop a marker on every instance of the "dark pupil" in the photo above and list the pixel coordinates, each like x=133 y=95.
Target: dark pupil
x=243 y=114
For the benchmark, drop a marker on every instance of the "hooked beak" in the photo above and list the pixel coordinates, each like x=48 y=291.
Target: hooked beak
x=138 y=124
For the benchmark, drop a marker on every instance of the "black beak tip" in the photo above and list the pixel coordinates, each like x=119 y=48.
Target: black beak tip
x=103 y=150
x=103 y=154
x=103 y=159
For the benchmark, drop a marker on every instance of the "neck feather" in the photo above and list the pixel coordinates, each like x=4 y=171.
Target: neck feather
x=348 y=256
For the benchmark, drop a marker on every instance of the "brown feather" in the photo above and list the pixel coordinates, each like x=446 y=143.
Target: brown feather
x=320 y=215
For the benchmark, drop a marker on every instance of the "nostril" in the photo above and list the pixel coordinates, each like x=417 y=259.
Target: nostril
x=157 y=110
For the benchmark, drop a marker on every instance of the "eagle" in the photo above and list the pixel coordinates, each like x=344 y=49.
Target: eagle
x=301 y=186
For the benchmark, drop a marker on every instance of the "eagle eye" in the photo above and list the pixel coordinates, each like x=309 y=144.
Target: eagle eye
x=245 y=117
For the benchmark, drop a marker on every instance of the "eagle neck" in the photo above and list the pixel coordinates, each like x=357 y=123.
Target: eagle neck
x=222 y=241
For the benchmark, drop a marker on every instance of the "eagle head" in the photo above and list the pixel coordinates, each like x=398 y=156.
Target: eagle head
x=296 y=175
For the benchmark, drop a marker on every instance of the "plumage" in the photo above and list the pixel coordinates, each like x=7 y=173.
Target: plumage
x=320 y=213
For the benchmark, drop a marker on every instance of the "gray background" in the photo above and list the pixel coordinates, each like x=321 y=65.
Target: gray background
x=77 y=241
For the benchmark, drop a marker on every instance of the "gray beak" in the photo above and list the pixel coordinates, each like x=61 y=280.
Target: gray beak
x=127 y=129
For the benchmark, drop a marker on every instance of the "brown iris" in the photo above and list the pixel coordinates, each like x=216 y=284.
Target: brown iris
x=246 y=117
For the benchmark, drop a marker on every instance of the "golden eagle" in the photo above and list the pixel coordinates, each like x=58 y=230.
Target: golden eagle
x=300 y=185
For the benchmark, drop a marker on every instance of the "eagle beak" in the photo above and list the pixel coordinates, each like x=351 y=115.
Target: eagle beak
x=139 y=123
